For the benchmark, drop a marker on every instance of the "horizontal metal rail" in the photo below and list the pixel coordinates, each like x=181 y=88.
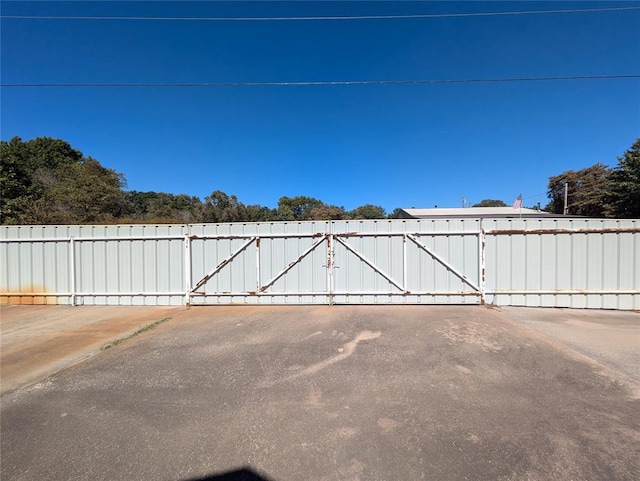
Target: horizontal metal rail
x=337 y=293
x=232 y=236
x=97 y=239
x=603 y=230
x=563 y=292
x=90 y=294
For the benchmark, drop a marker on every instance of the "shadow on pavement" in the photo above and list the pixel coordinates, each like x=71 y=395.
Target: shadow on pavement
x=243 y=474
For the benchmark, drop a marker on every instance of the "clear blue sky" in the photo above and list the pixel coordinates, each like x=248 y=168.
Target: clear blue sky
x=391 y=145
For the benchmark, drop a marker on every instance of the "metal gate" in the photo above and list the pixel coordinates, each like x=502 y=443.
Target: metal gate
x=337 y=267
x=584 y=263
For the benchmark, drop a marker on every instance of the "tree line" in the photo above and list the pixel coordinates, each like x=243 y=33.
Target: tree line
x=47 y=181
x=600 y=191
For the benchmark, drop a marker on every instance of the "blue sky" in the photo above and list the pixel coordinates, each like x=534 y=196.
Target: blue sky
x=390 y=145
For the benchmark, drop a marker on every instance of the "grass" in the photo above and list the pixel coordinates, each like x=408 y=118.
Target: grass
x=146 y=328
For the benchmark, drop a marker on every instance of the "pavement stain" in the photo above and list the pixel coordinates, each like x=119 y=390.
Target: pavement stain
x=347 y=350
x=471 y=333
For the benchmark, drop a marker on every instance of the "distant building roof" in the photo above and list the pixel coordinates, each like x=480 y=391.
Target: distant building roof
x=474 y=212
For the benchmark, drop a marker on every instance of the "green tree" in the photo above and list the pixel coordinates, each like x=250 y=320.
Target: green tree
x=367 y=211
x=45 y=180
x=260 y=213
x=625 y=184
x=162 y=207
x=490 y=203
x=297 y=208
x=326 y=212
x=220 y=207
x=589 y=192
x=83 y=193
x=395 y=213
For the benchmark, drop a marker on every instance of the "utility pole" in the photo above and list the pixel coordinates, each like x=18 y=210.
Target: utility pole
x=566 y=198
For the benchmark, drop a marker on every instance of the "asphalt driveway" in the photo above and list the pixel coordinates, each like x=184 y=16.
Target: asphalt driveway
x=320 y=393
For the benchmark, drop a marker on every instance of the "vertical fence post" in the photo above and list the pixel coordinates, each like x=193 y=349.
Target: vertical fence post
x=72 y=270
x=187 y=270
x=258 y=285
x=330 y=267
x=404 y=262
x=482 y=246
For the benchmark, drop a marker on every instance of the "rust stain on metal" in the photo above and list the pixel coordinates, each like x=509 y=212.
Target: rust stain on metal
x=258 y=242
x=484 y=246
x=29 y=295
x=606 y=230
x=252 y=293
x=222 y=264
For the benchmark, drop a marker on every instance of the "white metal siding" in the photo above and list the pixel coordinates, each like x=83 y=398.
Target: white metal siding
x=578 y=263
x=586 y=263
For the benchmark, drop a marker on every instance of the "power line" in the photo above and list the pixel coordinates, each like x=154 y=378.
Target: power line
x=536 y=195
x=315 y=83
x=355 y=17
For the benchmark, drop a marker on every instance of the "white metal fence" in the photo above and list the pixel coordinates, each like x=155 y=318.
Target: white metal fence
x=533 y=262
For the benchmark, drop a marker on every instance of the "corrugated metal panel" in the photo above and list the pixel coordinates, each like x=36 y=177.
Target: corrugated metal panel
x=531 y=262
x=417 y=276
x=240 y=280
x=30 y=268
x=565 y=263
x=111 y=265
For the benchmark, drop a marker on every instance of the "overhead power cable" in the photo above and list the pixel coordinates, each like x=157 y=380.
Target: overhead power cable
x=352 y=17
x=316 y=83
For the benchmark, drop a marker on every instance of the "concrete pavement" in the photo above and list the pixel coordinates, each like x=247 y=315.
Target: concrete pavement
x=36 y=341
x=342 y=393
x=611 y=338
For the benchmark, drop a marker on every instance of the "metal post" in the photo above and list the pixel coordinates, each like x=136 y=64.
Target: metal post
x=330 y=267
x=72 y=270
x=258 y=264
x=404 y=262
x=566 y=198
x=482 y=241
x=187 y=270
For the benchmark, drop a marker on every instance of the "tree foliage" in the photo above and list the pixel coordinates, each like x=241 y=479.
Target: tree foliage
x=297 y=208
x=221 y=207
x=599 y=191
x=588 y=191
x=367 y=211
x=490 y=203
x=625 y=184
x=47 y=181
x=159 y=207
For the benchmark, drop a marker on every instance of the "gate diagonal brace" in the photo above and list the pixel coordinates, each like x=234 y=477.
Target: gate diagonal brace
x=370 y=264
x=450 y=268
x=206 y=278
x=300 y=257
